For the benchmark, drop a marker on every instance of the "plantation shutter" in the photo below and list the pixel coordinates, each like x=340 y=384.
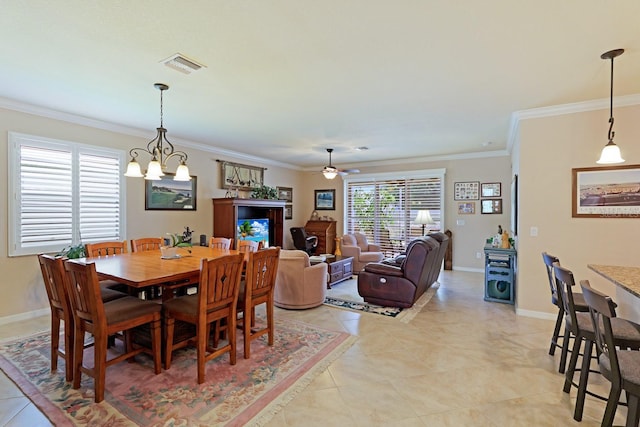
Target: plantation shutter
x=62 y=194
x=385 y=209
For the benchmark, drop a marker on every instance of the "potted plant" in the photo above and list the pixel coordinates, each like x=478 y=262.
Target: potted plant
x=73 y=251
x=177 y=241
x=264 y=192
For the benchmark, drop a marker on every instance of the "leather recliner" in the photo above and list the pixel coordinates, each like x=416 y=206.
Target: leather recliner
x=401 y=285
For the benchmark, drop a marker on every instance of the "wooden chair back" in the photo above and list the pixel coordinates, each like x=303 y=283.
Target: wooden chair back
x=54 y=278
x=260 y=279
x=217 y=299
x=549 y=260
x=91 y=316
x=248 y=246
x=220 y=243
x=106 y=248
x=146 y=244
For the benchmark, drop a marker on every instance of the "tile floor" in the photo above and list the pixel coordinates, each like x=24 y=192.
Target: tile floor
x=461 y=362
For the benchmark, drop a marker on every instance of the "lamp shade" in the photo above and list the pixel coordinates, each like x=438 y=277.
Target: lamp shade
x=133 y=170
x=424 y=217
x=610 y=154
x=329 y=173
x=182 y=173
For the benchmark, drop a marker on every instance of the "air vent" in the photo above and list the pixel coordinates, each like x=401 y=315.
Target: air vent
x=181 y=63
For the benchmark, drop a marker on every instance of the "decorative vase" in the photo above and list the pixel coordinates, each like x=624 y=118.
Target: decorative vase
x=169 y=251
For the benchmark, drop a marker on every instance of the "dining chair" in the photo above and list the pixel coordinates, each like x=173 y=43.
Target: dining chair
x=220 y=243
x=626 y=334
x=54 y=277
x=104 y=319
x=257 y=288
x=620 y=367
x=146 y=244
x=556 y=299
x=106 y=248
x=248 y=246
x=215 y=301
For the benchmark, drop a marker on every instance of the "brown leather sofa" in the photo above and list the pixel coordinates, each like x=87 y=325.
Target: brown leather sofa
x=401 y=285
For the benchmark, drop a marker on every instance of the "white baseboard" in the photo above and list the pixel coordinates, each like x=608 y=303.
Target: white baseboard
x=536 y=314
x=469 y=269
x=24 y=316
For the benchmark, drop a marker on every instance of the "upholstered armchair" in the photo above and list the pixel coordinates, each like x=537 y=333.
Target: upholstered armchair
x=401 y=285
x=363 y=252
x=298 y=283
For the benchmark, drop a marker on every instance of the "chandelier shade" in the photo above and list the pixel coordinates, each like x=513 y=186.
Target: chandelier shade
x=160 y=150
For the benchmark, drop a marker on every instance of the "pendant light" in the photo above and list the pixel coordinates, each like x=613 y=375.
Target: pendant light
x=611 y=152
x=159 y=154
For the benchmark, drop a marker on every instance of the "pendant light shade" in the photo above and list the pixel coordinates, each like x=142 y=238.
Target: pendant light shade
x=611 y=152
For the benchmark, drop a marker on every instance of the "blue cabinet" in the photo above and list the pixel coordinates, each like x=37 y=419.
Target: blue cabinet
x=499 y=274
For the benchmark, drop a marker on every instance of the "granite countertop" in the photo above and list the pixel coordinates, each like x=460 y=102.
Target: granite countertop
x=627 y=278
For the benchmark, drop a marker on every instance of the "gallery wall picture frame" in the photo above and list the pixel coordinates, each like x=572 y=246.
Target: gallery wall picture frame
x=169 y=195
x=285 y=193
x=605 y=192
x=325 y=200
x=288 y=211
x=491 y=206
x=466 y=208
x=490 y=189
x=468 y=190
x=236 y=176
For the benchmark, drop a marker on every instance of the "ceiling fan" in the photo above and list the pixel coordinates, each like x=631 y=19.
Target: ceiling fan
x=331 y=171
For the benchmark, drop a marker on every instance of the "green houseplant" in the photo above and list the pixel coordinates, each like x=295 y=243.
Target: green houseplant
x=264 y=192
x=73 y=251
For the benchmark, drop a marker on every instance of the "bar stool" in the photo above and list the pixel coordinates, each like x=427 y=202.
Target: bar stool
x=618 y=366
x=626 y=334
x=579 y=304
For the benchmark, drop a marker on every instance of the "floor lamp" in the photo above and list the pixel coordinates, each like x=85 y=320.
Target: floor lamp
x=424 y=218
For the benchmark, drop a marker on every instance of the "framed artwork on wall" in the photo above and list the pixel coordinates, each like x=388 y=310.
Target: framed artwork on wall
x=606 y=192
x=491 y=206
x=241 y=177
x=169 y=195
x=325 y=200
x=285 y=193
x=466 y=190
x=490 y=189
x=466 y=208
x=288 y=211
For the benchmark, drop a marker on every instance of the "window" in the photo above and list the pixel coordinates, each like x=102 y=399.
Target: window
x=62 y=193
x=384 y=207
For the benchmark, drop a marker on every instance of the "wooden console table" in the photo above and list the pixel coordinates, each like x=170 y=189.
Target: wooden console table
x=340 y=268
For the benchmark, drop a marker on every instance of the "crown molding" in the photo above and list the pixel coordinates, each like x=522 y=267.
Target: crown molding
x=11 y=104
x=559 y=110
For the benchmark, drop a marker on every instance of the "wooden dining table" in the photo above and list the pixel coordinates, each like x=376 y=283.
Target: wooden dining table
x=148 y=268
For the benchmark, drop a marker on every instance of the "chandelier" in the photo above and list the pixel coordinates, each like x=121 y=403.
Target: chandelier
x=160 y=150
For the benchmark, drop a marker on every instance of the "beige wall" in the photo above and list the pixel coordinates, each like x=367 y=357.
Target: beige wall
x=22 y=288
x=549 y=148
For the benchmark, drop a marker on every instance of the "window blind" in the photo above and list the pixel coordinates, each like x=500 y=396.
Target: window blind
x=62 y=194
x=385 y=209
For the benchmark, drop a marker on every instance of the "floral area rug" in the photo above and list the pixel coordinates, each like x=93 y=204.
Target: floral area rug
x=345 y=295
x=248 y=393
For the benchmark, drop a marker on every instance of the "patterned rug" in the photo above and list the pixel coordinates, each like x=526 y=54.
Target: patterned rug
x=345 y=295
x=249 y=393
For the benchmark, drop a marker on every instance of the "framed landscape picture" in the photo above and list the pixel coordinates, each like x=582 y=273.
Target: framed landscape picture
x=606 y=192
x=325 y=200
x=285 y=193
x=169 y=195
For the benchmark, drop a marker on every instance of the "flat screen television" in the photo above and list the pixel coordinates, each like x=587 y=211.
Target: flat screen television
x=257 y=230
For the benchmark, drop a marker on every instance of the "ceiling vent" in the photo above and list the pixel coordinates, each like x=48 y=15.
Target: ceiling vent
x=181 y=63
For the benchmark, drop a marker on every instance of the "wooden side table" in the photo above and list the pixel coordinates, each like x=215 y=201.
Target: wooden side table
x=340 y=268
